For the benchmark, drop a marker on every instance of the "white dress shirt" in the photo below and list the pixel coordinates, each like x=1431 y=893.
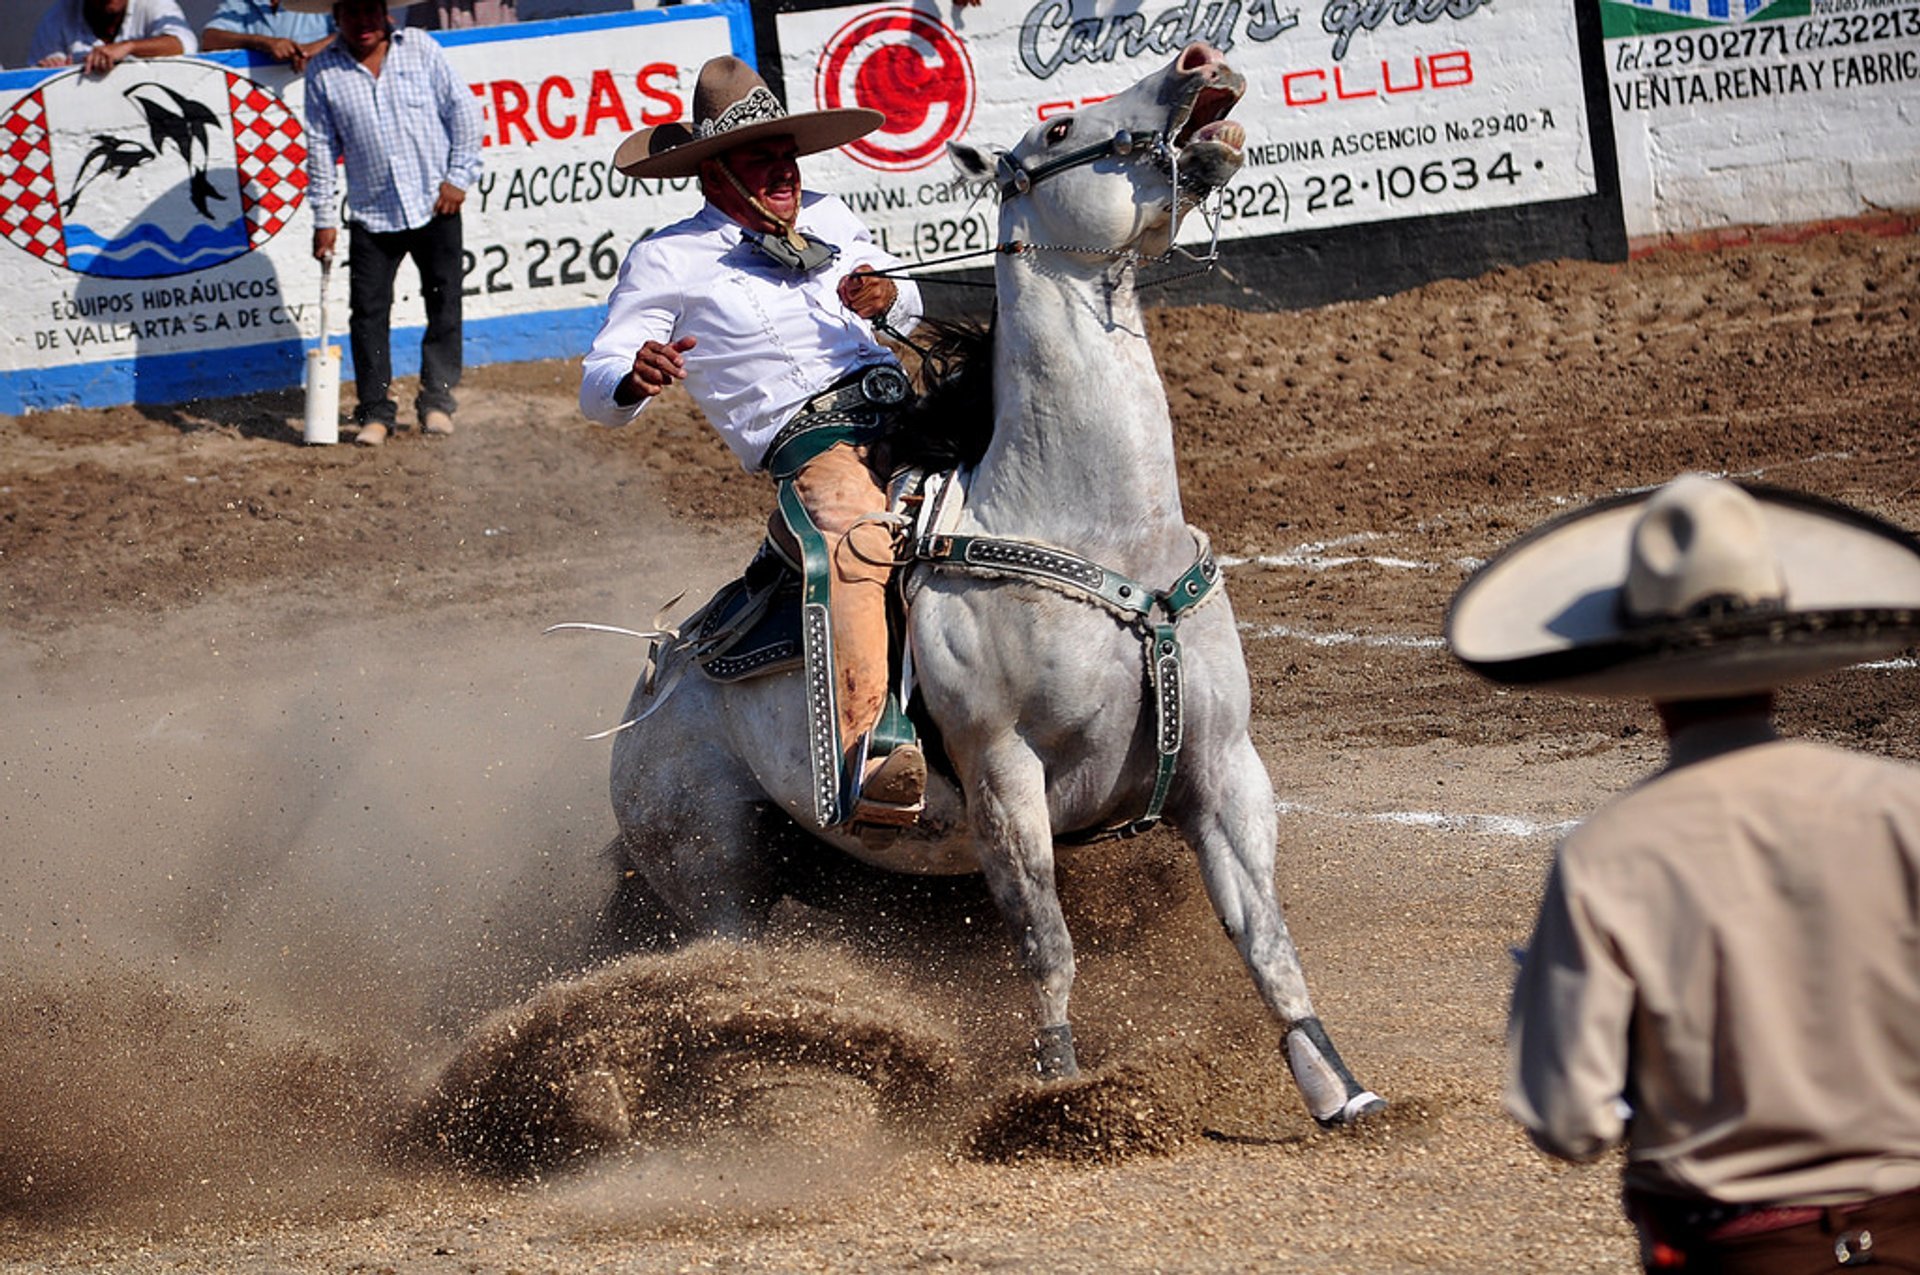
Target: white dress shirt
x=768 y=338
x=64 y=29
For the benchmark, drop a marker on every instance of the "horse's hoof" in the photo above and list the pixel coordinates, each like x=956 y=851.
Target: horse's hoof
x=1353 y=1111
x=1053 y=1054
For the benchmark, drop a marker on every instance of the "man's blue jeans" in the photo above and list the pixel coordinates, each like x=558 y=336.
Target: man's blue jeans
x=373 y=259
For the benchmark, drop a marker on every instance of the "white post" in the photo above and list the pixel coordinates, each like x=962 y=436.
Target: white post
x=323 y=376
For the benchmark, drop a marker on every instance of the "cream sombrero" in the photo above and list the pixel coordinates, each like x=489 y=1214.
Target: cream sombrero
x=732 y=106
x=1698 y=589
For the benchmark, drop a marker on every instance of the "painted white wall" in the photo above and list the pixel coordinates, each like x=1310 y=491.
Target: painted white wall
x=1763 y=121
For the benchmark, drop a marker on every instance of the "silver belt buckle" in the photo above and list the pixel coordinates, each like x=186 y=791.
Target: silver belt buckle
x=885 y=386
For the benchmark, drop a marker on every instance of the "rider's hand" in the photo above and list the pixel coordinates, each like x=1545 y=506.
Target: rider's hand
x=867 y=294
x=655 y=366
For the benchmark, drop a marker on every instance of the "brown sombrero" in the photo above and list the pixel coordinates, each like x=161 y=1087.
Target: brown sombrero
x=326 y=6
x=732 y=106
x=1699 y=589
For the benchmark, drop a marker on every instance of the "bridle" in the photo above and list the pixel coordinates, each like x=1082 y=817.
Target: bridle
x=1014 y=178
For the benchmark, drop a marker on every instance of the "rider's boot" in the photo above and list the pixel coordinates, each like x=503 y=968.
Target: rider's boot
x=893 y=788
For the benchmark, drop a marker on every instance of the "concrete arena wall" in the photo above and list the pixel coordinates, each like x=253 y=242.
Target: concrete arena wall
x=1390 y=144
x=124 y=288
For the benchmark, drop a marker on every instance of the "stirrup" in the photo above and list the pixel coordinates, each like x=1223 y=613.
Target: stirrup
x=895 y=794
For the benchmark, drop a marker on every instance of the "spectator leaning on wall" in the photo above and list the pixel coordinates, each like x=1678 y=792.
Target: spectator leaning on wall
x=389 y=104
x=268 y=28
x=448 y=15
x=101 y=34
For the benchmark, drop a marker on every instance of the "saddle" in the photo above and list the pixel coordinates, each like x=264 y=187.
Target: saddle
x=757 y=625
x=751 y=626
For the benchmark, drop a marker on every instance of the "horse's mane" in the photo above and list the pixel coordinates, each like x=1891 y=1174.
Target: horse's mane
x=951 y=422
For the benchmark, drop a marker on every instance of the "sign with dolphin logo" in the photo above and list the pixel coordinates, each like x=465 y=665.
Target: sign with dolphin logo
x=161 y=168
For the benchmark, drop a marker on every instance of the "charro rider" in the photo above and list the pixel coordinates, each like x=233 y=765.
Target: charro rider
x=764 y=304
x=1723 y=972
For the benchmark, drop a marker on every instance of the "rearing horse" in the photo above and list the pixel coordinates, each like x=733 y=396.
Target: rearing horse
x=1071 y=638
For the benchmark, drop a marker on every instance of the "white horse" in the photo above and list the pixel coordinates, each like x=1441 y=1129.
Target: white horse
x=1071 y=640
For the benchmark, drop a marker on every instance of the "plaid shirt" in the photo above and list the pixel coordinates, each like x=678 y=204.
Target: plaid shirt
x=401 y=133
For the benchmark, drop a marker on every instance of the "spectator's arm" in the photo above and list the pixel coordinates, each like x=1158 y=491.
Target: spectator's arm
x=103 y=57
x=460 y=114
x=321 y=150
x=45 y=45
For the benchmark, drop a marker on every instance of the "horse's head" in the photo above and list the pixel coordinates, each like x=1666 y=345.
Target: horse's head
x=1118 y=175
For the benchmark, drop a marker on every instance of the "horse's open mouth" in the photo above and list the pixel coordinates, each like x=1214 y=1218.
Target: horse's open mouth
x=1211 y=146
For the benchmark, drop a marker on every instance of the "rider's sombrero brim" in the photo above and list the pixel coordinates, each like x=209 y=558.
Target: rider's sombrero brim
x=1548 y=610
x=671 y=150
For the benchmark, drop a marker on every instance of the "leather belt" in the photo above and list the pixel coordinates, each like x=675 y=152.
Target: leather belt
x=1716 y=1223
x=880 y=385
x=857 y=408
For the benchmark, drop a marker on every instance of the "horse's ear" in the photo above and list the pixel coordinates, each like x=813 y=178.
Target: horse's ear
x=975 y=163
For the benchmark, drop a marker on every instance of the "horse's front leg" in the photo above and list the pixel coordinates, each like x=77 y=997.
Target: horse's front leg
x=1007 y=803
x=1228 y=818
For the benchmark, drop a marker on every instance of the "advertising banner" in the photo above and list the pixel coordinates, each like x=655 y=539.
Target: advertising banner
x=158 y=245
x=1735 y=113
x=1356 y=110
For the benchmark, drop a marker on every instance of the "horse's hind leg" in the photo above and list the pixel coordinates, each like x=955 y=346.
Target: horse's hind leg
x=1229 y=820
x=689 y=823
x=633 y=919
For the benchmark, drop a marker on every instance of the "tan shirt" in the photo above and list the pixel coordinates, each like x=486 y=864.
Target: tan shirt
x=1733 y=948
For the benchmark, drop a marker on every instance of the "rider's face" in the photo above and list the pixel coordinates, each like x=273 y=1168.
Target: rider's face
x=770 y=172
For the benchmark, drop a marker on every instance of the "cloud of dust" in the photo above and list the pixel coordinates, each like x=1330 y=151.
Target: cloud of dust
x=255 y=898
x=251 y=893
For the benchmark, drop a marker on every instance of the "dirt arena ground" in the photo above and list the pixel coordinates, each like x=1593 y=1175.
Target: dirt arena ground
x=296 y=809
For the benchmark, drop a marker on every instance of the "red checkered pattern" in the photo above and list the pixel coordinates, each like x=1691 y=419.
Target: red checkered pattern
x=29 y=203
x=270 y=151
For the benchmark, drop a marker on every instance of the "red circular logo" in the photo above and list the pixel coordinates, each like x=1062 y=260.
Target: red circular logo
x=910 y=67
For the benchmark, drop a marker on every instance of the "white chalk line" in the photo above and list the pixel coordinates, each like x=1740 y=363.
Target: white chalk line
x=1318 y=555
x=1509 y=826
x=1289 y=633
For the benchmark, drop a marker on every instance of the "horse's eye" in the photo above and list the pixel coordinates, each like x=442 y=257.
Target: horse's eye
x=1057 y=133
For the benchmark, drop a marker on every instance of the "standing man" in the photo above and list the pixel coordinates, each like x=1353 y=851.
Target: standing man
x=268 y=28
x=100 y=34
x=1725 y=970
x=764 y=303
x=387 y=101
